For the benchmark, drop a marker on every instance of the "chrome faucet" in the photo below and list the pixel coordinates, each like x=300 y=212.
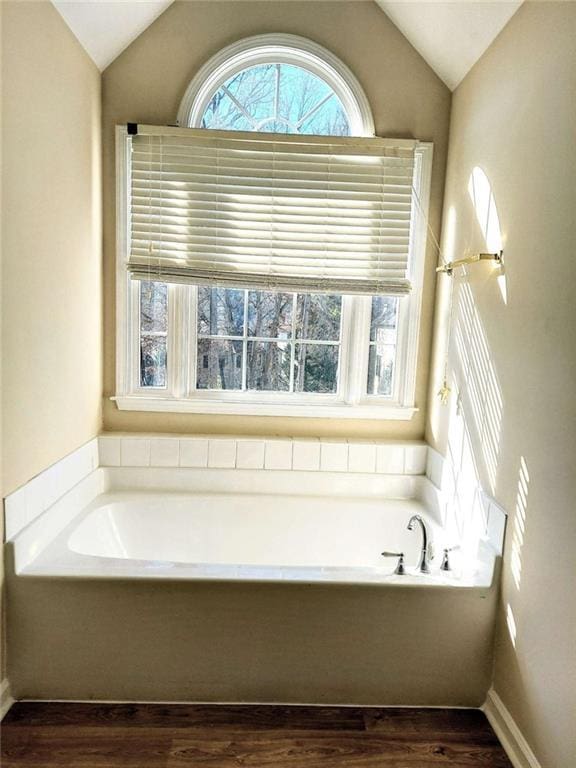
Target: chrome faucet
x=423 y=566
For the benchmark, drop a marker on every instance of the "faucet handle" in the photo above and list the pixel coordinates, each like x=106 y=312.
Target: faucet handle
x=445 y=565
x=399 y=570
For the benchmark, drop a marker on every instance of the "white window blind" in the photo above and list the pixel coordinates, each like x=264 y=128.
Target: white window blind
x=300 y=213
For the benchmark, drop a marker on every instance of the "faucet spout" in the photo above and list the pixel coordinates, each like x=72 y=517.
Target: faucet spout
x=423 y=566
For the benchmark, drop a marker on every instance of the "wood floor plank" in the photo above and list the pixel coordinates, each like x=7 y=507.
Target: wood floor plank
x=45 y=735
x=447 y=723
x=188 y=716
x=83 y=748
x=331 y=750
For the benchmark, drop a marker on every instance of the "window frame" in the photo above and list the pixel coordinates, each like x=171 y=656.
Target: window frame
x=283 y=49
x=351 y=399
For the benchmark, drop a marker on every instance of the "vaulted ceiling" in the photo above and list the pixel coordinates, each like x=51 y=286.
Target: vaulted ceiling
x=106 y=27
x=451 y=35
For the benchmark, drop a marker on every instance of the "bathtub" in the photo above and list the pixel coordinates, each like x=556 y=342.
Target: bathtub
x=250 y=537
x=230 y=587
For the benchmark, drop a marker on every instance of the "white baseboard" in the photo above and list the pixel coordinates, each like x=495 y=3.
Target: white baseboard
x=255 y=703
x=511 y=738
x=6 y=699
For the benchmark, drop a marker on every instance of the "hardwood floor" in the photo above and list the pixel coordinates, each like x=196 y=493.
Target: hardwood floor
x=36 y=735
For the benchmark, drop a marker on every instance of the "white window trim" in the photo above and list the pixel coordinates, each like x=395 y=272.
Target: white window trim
x=283 y=49
x=350 y=403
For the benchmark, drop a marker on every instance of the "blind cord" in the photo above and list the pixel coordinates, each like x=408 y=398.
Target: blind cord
x=429 y=229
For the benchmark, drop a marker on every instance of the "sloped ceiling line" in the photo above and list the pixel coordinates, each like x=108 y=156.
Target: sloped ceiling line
x=105 y=28
x=451 y=35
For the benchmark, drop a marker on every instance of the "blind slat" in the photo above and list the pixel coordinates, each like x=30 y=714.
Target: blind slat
x=273 y=212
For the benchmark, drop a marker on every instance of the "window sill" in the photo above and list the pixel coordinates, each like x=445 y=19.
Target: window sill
x=296 y=410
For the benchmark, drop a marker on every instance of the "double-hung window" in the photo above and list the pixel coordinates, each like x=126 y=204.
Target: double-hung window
x=270 y=254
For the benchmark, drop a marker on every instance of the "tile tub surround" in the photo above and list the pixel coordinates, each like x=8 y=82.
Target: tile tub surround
x=229 y=452
x=409 y=459
x=481 y=512
x=200 y=452
x=32 y=499
x=342 y=457
x=316 y=455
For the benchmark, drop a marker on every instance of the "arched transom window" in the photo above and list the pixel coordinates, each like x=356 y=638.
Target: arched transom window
x=278 y=84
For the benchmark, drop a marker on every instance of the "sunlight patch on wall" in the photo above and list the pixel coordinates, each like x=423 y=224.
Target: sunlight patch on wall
x=484 y=204
x=502 y=286
x=465 y=512
x=463 y=522
x=476 y=374
x=511 y=623
x=519 y=522
x=482 y=197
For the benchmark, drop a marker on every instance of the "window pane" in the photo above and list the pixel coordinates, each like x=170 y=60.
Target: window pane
x=268 y=366
x=277 y=97
x=153 y=307
x=381 y=369
x=153 y=333
x=329 y=120
x=220 y=311
x=270 y=314
x=316 y=368
x=384 y=320
x=318 y=316
x=153 y=361
x=223 y=113
x=219 y=364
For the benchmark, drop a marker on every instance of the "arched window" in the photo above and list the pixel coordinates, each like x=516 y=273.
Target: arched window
x=280 y=84
x=246 y=251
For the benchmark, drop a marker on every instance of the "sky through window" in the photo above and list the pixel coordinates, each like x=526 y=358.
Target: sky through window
x=276 y=98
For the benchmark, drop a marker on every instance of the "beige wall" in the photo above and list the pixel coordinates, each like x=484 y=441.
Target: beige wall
x=515 y=117
x=146 y=84
x=51 y=242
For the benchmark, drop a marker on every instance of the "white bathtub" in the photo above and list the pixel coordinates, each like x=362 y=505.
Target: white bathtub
x=267 y=537
x=207 y=585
